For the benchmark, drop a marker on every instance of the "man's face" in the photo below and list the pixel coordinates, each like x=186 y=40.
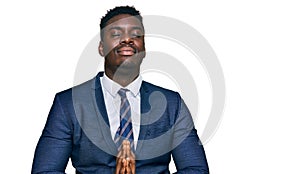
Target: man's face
x=122 y=44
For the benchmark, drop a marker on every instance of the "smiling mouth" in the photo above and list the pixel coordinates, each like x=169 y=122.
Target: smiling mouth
x=126 y=51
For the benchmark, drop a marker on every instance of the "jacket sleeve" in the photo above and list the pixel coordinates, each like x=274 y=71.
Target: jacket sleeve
x=55 y=144
x=188 y=153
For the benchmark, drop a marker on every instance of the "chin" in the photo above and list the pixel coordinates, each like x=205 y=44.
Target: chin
x=131 y=61
x=128 y=66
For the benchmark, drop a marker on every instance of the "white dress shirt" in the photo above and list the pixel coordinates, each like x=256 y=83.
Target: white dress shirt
x=113 y=101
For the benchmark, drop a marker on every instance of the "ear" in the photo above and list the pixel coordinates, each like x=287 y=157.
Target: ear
x=100 y=49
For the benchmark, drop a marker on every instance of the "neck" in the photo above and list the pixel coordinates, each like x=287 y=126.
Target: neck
x=122 y=79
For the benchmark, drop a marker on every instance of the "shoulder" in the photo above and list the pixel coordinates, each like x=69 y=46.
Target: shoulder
x=151 y=87
x=162 y=102
x=156 y=91
x=76 y=91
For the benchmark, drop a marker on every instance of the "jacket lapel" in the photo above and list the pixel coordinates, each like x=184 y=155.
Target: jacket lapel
x=104 y=122
x=102 y=114
x=145 y=107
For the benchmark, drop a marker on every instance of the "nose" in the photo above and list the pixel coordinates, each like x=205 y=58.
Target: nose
x=126 y=40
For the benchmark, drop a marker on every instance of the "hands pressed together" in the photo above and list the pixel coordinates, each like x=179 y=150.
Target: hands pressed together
x=125 y=160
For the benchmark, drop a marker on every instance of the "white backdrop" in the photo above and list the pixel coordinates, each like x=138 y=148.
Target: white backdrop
x=257 y=43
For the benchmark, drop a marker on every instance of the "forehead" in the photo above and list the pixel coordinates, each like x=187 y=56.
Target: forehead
x=123 y=20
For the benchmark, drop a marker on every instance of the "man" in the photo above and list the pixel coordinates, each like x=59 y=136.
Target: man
x=117 y=123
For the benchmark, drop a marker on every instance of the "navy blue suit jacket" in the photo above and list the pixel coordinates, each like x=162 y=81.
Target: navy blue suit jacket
x=77 y=127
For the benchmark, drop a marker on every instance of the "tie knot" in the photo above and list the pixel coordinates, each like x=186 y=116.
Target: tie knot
x=122 y=92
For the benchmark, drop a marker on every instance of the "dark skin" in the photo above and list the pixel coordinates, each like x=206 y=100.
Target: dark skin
x=123 y=47
x=125 y=160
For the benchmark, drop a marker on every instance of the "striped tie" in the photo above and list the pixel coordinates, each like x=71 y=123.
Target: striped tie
x=125 y=129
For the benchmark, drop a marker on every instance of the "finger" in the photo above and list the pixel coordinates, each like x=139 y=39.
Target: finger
x=132 y=155
x=118 y=169
x=131 y=160
x=131 y=167
x=123 y=170
x=124 y=153
x=119 y=165
x=126 y=147
x=125 y=143
x=124 y=166
x=120 y=153
x=127 y=150
x=128 y=170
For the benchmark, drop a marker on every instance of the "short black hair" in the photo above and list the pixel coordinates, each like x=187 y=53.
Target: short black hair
x=120 y=10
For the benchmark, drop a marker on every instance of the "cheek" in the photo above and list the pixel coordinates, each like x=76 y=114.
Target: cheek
x=108 y=48
x=109 y=45
x=140 y=45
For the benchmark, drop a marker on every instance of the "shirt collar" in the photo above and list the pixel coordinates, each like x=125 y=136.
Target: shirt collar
x=112 y=87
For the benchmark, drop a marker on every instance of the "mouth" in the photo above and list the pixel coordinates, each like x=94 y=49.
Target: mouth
x=126 y=51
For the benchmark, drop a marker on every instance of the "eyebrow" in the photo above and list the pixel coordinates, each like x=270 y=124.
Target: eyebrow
x=119 y=28
x=137 y=28
x=115 y=28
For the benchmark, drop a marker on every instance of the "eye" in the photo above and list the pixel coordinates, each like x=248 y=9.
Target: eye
x=115 y=34
x=136 y=35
